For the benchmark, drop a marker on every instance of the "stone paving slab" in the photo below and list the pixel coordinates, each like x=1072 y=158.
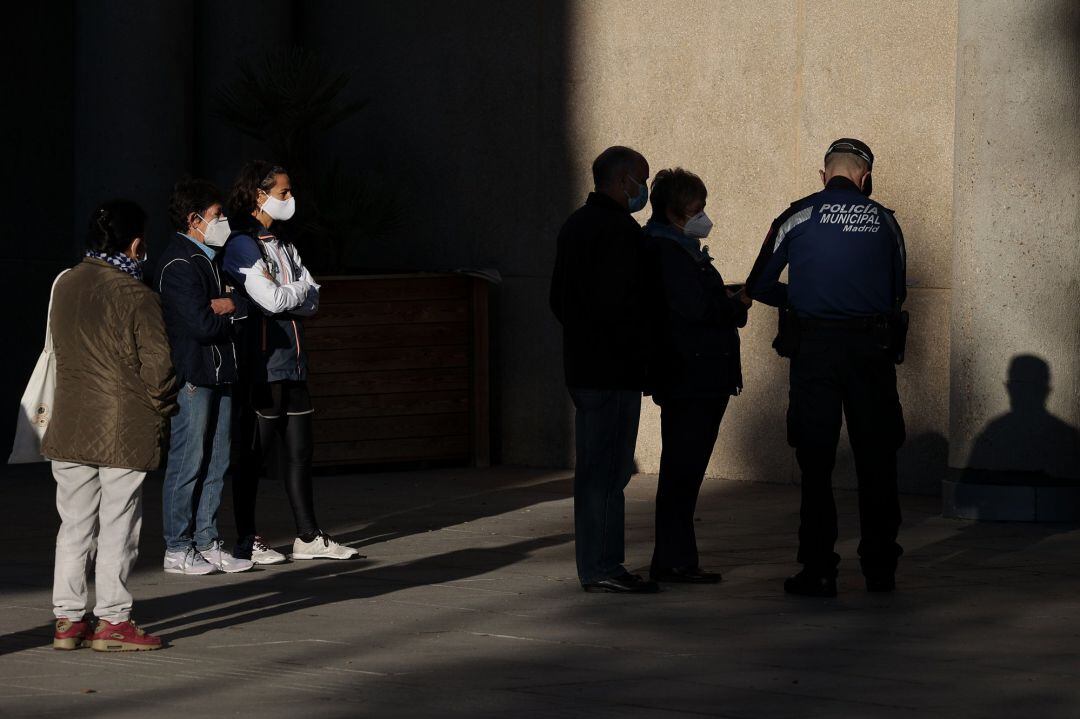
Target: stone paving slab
x=467 y=605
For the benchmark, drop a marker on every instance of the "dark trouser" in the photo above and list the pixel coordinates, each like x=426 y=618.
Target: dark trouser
x=282 y=424
x=607 y=426
x=838 y=371
x=198 y=458
x=688 y=428
x=246 y=469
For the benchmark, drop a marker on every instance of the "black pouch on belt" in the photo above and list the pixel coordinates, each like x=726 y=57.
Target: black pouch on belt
x=789 y=335
x=898 y=329
x=880 y=328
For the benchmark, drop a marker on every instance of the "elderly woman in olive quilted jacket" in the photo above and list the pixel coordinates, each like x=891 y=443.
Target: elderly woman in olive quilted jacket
x=115 y=390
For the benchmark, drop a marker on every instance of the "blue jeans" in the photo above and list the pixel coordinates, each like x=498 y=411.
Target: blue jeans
x=606 y=427
x=198 y=458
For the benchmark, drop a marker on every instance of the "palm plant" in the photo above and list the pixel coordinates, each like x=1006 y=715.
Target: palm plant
x=287 y=98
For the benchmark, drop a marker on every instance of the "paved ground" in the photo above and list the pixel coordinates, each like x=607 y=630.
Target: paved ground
x=467 y=605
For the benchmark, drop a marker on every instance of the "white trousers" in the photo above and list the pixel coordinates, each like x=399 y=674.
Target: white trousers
x=101 y=505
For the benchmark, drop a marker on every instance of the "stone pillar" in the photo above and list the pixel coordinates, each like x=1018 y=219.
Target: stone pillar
x=1015 y=351
x=133 y=128
x=36 y=186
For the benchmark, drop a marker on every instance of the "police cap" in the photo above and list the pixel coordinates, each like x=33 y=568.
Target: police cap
x=855 y=147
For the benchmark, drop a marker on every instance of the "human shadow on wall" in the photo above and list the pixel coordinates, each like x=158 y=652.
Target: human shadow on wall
x=1028 y=439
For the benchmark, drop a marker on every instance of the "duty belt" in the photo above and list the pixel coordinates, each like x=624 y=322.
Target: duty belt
x=851 y=323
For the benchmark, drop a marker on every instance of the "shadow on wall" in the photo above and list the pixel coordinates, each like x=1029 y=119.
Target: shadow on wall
x=1028 y=438
x=471 y=96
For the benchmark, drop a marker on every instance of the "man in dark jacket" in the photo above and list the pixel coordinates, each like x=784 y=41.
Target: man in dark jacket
x=600 y=295
x=202 y=321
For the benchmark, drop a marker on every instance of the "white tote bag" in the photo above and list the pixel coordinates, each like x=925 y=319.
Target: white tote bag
x=36 y=407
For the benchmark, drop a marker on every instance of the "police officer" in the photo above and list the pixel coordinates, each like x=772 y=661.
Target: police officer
x=842 y=326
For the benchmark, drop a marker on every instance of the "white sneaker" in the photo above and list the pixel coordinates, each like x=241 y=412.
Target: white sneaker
x=322 y=546
x=224 y=561
x=187 y=561
x=261 y=553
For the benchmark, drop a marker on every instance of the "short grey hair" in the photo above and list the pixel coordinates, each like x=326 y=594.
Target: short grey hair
x=612 y=162
x=846 y=161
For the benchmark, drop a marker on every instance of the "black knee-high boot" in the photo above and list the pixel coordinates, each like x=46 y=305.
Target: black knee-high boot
x=294 y=467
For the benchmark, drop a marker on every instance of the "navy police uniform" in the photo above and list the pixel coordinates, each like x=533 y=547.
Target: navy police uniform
x=846 y=284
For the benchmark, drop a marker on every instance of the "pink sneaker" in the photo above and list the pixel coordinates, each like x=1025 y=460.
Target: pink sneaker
x=122 y=637
x=72 y=635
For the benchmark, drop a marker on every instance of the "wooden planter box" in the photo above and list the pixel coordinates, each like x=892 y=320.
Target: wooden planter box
x=399 y=370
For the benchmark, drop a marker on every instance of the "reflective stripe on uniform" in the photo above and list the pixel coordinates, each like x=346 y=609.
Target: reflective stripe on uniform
x=797 y=219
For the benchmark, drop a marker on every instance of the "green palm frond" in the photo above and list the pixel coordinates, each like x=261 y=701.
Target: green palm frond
x=286 y=99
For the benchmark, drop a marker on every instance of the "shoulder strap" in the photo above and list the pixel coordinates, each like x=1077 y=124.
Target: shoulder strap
x=293 y=254
x=48 y=313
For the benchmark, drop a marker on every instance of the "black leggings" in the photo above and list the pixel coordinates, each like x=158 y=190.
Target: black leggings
x=285 y=444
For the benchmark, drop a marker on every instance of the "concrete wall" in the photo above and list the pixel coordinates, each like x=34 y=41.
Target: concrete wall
x=467 y=117
x=749 y=95
x=1017 y=225
x=485 y=116
x=133 y=91
x=505 y=111
x=115 y=106
x=36 y=239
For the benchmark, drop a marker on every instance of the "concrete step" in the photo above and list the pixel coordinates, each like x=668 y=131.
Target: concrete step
x=1010 y=497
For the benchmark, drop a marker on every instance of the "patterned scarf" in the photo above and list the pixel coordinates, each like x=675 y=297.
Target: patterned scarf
x=120 y=262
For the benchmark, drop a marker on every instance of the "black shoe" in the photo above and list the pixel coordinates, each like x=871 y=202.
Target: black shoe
x=880 y=583
x=624 y=584
x=685 y=575
x=810 y=584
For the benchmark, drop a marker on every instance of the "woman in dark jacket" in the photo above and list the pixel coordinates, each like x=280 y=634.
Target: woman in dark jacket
x=696 y=368
x=203 y=321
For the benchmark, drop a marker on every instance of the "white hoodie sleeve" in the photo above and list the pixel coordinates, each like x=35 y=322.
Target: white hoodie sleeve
x=244 y=262
x=310 y=305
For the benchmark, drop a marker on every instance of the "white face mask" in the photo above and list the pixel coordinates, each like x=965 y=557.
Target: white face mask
x=699 y=226
x=217 y=231
x=277 y=209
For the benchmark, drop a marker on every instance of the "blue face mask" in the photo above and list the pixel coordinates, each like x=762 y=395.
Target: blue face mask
x=638 y=201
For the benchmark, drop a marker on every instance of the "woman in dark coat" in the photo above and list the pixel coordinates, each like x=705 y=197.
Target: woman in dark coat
x=696 y=368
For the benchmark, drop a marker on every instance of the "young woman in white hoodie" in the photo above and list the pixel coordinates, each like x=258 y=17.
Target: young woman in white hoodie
x=271 y=274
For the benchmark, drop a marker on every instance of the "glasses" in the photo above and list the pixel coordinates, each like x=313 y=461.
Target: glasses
x=848 y=147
